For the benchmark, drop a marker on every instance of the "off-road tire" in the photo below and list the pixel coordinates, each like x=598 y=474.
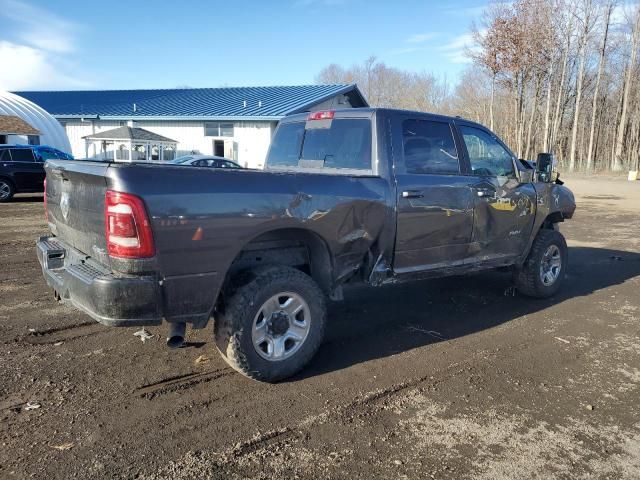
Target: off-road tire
x=6 y=184
x=232 y=326
x=527 y=277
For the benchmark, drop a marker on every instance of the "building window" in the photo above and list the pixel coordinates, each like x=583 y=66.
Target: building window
x=33 y=139
x=218 y=129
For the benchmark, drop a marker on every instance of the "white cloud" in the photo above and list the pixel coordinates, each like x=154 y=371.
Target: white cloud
x=35 y=48
x=456 y=49
x=403 y=51
x=38 y=27
x=422 y=37
x=465 y=11
x=30 y=68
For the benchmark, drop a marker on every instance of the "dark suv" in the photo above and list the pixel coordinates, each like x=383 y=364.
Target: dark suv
x=22 y=168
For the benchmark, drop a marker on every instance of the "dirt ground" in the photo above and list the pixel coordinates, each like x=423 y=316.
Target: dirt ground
x=455 y=378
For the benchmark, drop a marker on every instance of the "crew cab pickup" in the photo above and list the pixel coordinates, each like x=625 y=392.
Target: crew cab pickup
x=357 y=195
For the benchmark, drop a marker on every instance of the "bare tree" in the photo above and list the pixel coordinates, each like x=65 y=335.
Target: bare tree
x=332 y=74
x=491 y=51
x=553 y=75
x=561 y=91
x=601 y=62
x=586 y=21
x=622 y=124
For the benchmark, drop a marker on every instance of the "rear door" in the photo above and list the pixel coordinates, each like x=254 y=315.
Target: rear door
x=434 y=196
x=504 y=208
x=27 y=172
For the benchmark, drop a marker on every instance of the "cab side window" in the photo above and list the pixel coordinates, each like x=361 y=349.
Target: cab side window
x=429 y=147
x=286 y=145
x=486 y=155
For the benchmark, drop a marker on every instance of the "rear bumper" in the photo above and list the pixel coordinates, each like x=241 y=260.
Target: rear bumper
x=111 y=300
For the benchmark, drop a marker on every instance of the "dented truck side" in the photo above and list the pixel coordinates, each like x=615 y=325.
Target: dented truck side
x=341 y=201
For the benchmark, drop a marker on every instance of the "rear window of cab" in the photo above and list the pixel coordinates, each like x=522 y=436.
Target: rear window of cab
x=341 y=145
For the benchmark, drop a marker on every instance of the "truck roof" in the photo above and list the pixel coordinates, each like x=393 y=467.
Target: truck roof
x=370 y=111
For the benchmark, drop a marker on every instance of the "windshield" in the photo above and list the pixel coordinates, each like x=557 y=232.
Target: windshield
x=183 y=159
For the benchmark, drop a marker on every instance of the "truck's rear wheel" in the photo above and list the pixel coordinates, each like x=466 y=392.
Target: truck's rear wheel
x=273 y=325
x=543 y=271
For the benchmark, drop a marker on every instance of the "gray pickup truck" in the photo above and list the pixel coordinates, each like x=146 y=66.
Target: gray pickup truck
x=358 y=195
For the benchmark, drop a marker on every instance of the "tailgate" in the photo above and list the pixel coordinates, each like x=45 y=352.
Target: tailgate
x=75 y=205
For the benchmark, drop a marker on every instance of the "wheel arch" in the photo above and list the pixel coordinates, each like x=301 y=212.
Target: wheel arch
x=289 y=246
x=8 y=179
x=552 y=219
x=549 y=222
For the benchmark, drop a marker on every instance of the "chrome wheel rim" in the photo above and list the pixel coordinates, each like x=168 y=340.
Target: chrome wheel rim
x=281 y=326
x=5 y=190
x=550 y=266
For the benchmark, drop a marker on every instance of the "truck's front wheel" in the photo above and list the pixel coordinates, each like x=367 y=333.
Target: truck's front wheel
x=543 y=271
x=273 y=325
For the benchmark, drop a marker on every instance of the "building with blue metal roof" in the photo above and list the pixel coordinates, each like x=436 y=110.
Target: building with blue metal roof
x=236 y=122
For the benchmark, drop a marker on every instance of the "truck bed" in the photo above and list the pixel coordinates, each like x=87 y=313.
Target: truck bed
x=201 y=218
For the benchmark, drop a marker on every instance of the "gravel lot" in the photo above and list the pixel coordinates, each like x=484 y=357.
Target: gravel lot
x=454 y=378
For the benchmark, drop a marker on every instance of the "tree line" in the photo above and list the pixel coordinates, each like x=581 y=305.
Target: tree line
x=557 y=76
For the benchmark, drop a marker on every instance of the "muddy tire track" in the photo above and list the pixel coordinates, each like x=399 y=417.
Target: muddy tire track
x=180 y=382
x=64 y=333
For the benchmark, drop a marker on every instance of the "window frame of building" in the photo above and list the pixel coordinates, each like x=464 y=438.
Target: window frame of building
x=219 y=129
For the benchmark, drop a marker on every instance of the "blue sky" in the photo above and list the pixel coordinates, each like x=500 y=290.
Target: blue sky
x=70 y=44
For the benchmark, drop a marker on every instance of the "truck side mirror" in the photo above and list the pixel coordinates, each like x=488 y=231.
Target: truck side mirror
x=545 y=166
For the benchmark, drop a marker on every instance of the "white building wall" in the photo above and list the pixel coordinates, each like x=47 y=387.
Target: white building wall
x=253 y=139
x=76 y=129
x=250 y=141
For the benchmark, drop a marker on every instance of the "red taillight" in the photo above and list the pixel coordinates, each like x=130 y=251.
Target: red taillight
x=321 y=115
x=127 y=226
x=46 y=214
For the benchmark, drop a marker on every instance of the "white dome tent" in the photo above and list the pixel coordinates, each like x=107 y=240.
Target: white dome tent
x=51 y=132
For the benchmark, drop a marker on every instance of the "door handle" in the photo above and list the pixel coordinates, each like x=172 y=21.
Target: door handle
x=412 y=194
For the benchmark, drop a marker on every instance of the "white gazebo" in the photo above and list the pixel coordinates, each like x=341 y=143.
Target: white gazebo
x=129 y=144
